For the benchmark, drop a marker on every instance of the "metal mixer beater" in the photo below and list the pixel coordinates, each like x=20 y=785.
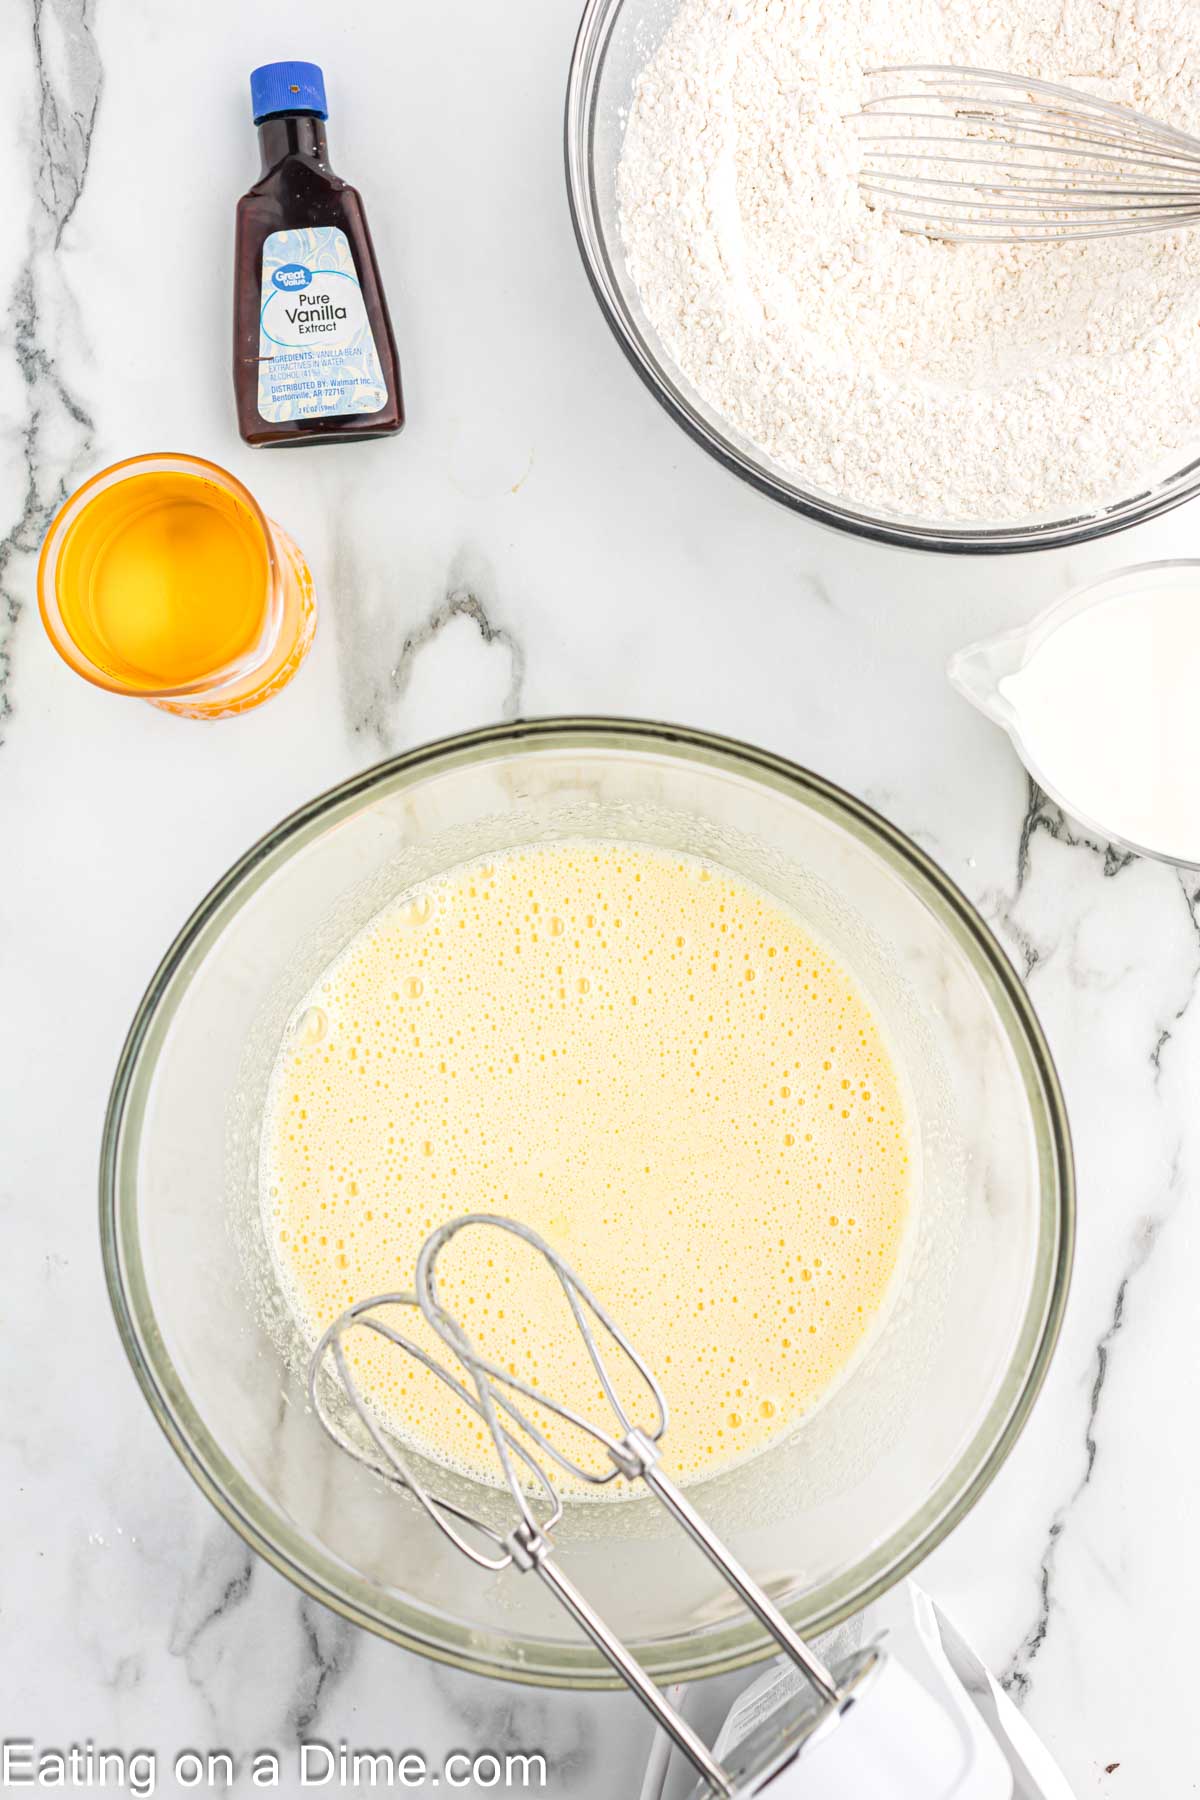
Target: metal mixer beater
x=768 y=1754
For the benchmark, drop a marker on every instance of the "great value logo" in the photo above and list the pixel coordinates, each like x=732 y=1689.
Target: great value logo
x=290 y=276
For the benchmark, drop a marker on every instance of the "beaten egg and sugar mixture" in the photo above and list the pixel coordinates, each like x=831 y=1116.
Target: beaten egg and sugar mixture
x=653 y=1065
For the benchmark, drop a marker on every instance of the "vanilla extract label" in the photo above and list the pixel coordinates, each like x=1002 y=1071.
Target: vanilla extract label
x=317 y=354
x=324 y=316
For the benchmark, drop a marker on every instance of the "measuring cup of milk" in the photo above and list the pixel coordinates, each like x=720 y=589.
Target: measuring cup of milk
x=1101 y=698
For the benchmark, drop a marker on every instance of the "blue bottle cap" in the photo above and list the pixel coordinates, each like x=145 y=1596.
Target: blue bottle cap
x=286 y=87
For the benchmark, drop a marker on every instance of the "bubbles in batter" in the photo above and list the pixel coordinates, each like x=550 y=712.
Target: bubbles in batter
x=653 y=1065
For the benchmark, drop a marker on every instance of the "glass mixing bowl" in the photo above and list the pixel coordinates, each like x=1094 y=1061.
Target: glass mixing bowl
x=827 y=1518
x=616 y=39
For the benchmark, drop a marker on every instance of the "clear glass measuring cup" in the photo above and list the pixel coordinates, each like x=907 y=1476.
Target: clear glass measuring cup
x=163 y=579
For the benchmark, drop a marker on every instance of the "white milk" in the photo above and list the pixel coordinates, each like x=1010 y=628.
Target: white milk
x=1101 y=697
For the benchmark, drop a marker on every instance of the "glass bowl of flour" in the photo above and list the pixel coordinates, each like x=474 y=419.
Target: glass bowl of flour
x=961 y=397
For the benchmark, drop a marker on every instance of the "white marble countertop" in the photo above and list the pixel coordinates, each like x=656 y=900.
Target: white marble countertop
x=541 y=539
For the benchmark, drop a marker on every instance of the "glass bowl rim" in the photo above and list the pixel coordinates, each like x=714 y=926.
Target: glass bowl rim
x=587 y=58
x=714 y=1649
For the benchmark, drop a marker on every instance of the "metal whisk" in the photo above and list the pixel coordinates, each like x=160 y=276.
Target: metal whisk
x=978 y=156
x=632 y=1451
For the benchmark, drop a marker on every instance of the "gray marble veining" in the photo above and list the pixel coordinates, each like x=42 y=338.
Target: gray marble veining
x=540 y=539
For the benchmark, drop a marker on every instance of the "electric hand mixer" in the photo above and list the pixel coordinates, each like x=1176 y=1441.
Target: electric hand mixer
x=864 y=1727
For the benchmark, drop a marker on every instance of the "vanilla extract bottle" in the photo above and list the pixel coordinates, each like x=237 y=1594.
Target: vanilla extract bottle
x=314 y=358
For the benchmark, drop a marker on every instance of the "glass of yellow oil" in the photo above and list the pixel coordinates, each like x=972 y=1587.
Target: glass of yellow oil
x=163 y=578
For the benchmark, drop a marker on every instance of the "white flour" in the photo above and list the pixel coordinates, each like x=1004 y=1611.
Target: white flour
x=947 y=382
